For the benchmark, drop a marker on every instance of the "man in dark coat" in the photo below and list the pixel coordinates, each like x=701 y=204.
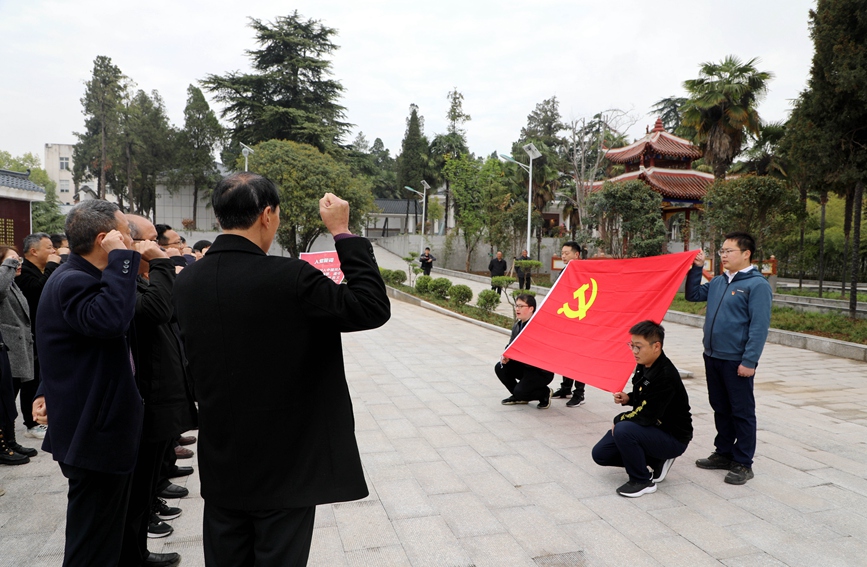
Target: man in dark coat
x=524 y=382
x=524 y=277
x=497 y=266
x=262 y=338
x=89 y=390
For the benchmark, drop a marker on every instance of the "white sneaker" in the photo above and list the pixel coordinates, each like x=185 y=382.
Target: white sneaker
x=37 y=431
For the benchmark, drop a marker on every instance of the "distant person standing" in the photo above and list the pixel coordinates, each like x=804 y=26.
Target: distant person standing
x=571 y=251
x=497 y=266
x=426 y=260
x=523 y=276
x=735 y=329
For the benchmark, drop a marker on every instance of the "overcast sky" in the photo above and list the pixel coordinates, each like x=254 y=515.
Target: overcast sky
x=504 y=56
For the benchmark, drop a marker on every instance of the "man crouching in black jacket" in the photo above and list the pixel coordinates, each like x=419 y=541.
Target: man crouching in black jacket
x=659 y=428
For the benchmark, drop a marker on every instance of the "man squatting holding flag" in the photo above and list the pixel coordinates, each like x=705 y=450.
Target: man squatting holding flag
x=524 y=382
x=659 y=427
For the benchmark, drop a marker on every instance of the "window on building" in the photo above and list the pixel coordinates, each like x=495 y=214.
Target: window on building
x=64 y=185
x=64 y=164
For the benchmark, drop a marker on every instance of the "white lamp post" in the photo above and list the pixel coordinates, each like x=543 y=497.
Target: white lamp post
x=246 y=151
x=423 y=211
x=533 y=153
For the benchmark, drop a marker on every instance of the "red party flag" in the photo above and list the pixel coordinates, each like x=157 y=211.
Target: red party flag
x=581 y=329
x=327 y=262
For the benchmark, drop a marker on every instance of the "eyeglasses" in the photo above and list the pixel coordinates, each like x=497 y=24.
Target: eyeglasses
x=727 y=251
x=636 y=348
x=520 y=306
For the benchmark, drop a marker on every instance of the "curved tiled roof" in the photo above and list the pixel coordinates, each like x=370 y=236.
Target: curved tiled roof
x=682 y=184
x=398 y=206
x=656 y=142
x=18 y=180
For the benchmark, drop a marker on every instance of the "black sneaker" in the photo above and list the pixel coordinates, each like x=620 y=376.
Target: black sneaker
x=545 y=402
x=739 y=474
x=26 y=451
x=575 y=401
x=659 y=474
x=715 y=461
x=561 y=393
x=158 y=528
x=165 y=512
x=511 y=401
x=635 y=489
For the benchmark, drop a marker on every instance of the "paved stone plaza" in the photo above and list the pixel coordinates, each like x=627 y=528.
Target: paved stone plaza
x=458 y=480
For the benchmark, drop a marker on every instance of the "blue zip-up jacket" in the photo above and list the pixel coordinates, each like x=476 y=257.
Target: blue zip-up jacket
x=738 y=314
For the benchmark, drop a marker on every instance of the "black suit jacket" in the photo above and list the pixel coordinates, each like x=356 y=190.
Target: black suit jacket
x=262 y=337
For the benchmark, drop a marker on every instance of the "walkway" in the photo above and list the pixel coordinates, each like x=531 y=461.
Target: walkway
x=456 y=479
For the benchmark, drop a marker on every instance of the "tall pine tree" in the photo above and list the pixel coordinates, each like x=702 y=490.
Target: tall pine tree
x=413 y=160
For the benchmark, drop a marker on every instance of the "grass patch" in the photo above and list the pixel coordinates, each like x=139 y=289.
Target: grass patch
x=829 y=325
x=826 y=294
x=466 y=310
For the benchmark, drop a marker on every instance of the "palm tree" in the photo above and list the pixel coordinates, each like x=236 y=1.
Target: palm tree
x=722 y=108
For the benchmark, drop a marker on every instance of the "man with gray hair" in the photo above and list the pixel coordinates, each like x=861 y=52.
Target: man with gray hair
x=88 y=381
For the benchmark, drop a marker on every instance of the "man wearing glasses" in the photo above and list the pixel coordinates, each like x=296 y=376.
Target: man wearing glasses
x=524 y=382
x=658 y=428
x=735 y=330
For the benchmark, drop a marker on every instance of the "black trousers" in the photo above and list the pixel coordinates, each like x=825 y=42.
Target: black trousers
x=523 y=381
x=95 y=510
x=566 y=384
x=524 y=281
x=266 y=538
x=168 y=462
x=141 y=499
x=28 y=392
x=634 y=447
x=734 y=409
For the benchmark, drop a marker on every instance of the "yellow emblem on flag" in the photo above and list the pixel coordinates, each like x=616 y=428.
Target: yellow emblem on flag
x=583 y=305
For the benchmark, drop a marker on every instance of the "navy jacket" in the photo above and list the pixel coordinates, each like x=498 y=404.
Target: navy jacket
x=262 y=337
x=738 y=314
x=94 y=408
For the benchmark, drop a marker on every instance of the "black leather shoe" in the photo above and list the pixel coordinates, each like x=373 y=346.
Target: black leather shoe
x=26 y=451
x=162 y=560
x=10 y=457
x=180 y=471
x=173 y=491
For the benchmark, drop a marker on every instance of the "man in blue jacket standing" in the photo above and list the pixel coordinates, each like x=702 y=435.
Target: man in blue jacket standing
x=88 y=383
x=735 y=329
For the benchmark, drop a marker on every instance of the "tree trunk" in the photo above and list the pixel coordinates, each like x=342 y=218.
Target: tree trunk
x=847 y=229
x=195 y=201
x=857 y=199
x=102 y=157
x=824 y=201
x=803 y=194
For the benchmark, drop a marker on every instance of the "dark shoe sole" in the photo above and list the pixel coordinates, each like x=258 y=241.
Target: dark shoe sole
x=569 y=404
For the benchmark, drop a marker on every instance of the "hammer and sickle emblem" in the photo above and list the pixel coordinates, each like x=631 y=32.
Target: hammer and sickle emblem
x=583 y=305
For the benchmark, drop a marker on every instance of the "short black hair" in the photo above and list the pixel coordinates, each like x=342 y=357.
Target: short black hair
x=201 y=245
x=573 y=245
x=86 y=220
x=240 y=198
x=57 y=239
x=528 y=299
x=744 y=240
x=650 y=330
x=161 y=233
x=427 y=248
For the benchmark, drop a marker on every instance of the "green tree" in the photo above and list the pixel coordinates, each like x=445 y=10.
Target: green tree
x=463 y=176
x=304 y=174
x=102 y=100
x=198 y=140
x=289 y=95
x=629 y=219
x=46 y=216
x=668 y=110
x=413 y=159
x=721 y=108
x=456 y=116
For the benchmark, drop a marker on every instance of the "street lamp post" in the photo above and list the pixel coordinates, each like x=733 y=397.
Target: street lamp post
x=246 y=151
x=533 y=153
x=423 y=211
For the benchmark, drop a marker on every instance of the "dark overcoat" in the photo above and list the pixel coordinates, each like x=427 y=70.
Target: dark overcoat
x=262 y=337
x=94 y=407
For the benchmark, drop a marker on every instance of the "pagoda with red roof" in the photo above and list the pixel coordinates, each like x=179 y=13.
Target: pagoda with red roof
x=664 y=162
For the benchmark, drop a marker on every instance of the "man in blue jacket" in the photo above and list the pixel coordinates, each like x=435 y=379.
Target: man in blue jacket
x=88 y=386
x=735 y=329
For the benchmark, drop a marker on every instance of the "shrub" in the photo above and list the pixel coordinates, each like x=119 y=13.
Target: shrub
x=422 y=284
x=517 y=292
x=488 y=300
x=460 y=294
x=392 y=277
x=439 y=287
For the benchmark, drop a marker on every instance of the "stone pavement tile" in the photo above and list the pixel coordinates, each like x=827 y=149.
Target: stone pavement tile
x=794 y=550
x=463 y=424
x=437 y=478
x=400 y=428
x=373 y=441
x=772 y=511
x=404 y=499
x=557 y=503
x=326 y=550
x=383 y=411
x=538 y=453
x=798 y=499
x=496 y=550
x=840 y=498
x=715 y=540
x=675 y=551
x=441 y=436
x=324 y=517
x=719 y=511
x=424 y=416
x=759 y=559
x=447 y=407
x=604 y=545
x=429 y=542
x=841 y=521
x=385 y=466
x=364 y=421
x=842 y=458
x=364 y=525
x=465 y=460
x=622 y=515
x=494 y=490
x=466 y=515
x=519 y=470
x=536 y=533
x=857 y=484
x=393 y=556
x=487 y=444
x=416 y=450
x=507 y=431
x=581 y=483
x=407 y=402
